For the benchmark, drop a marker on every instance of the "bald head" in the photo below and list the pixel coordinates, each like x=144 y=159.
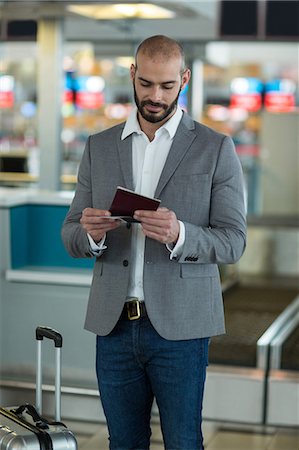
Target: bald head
x=161 y=48
x=158 y=76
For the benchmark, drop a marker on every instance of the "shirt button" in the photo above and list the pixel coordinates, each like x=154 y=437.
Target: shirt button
x=125 y=263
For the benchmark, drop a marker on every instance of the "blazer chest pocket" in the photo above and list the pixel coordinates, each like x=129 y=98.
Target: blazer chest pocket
x=189 y=195
x=194 y=179
x=198 y=270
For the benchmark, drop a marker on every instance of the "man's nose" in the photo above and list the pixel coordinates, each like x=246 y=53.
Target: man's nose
x=156 y=93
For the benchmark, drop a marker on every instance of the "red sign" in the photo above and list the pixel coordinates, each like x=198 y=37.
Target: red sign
x=6 y=99
x=90 y=100
x=68 y=96
x=279 y=102
x=250 y=102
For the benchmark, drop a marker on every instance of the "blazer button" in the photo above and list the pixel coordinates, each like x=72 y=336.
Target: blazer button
x=125 y=263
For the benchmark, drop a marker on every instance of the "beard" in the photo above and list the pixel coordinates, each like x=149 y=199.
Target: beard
x=153 y=117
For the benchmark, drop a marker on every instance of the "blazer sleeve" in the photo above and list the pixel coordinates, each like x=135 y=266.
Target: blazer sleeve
x=73 y=235
x=224 y=240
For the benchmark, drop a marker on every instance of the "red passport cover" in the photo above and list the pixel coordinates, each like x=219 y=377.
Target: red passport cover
x=126 y=202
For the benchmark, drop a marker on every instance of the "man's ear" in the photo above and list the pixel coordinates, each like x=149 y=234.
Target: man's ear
x=132 y=71
x=185 y=78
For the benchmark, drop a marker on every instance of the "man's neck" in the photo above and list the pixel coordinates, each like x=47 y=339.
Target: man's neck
x=150 y=128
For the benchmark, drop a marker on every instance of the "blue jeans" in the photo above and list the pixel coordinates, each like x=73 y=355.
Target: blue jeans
x=134 y=365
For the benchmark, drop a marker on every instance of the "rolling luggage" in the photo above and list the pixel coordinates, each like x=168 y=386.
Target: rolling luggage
x=24 y=427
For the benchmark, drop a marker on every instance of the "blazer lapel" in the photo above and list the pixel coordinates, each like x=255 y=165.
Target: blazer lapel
x=125 y=158
x=181 y=143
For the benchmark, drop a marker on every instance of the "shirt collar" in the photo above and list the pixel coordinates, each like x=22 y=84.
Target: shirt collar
x=132 y=124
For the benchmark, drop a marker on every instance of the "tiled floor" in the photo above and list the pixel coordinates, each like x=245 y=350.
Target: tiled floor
x=217 y=437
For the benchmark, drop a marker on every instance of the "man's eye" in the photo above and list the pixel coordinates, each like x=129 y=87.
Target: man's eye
x=167 y=87
x=145 y=84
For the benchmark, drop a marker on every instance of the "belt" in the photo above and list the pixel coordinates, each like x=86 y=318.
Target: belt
x=134 y=309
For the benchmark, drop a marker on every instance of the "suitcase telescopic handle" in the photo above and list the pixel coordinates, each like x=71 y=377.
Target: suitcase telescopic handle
x=49 y=333
x=52 y=334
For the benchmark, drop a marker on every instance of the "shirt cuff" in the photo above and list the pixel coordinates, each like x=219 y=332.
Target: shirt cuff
x=177 y=249
x=97 y=248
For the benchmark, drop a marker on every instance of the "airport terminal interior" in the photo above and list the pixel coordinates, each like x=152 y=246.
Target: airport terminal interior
x=64 y=74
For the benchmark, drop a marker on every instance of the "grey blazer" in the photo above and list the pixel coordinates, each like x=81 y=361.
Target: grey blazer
x=202 y=182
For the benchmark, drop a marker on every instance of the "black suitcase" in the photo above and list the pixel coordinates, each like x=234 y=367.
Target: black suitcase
x=24 y=427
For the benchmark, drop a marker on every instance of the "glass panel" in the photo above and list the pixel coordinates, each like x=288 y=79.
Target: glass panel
x=251 y=93
x=18 y=114
x=97 y=95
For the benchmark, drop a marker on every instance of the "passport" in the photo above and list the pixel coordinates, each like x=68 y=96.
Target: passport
x=126 y=202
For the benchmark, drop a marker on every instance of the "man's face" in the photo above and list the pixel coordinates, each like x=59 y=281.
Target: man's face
x=155 y=112
x=157 y=85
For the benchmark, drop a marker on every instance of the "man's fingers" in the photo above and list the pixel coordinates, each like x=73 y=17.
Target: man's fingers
x=161 y=225
x=162 y=217
x=159 y=213
x=95 y=220
x=93 y=215
x=97 y=231
x=95 y=212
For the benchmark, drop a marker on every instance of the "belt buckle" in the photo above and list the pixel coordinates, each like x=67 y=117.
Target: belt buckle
x=133 y=309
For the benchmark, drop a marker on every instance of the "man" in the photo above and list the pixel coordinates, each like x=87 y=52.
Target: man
x=155 y=298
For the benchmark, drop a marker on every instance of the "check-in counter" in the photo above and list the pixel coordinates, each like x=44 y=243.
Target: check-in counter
x=33 y=244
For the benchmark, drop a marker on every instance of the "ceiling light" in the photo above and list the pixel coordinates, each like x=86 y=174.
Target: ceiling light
x=126 y=10
x=122 y=11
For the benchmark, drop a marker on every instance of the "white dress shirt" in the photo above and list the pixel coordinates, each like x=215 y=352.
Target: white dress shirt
x=148 y=161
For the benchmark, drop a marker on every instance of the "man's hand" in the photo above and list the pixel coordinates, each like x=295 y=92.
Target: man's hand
x=161 y=225
x=96 y=222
